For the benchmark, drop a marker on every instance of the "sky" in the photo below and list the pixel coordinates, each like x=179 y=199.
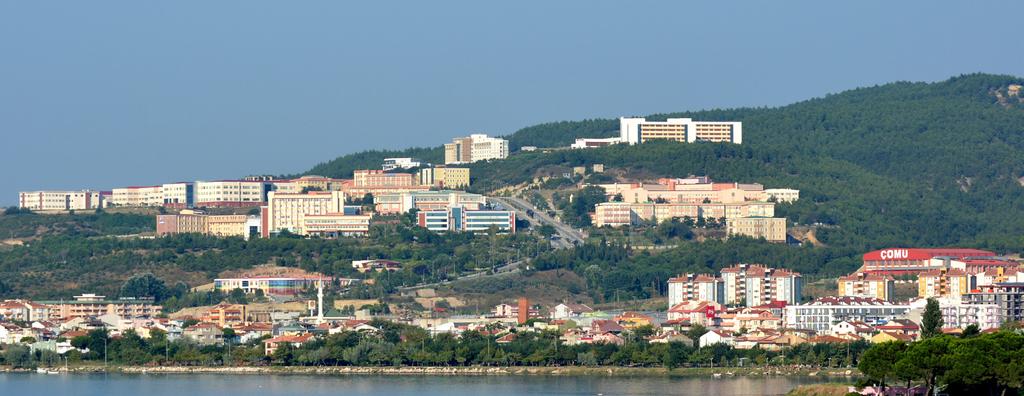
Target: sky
x=101 y=94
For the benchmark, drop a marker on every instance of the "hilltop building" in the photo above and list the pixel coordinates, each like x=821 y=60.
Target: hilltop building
x=59 y=200
x=639 y=130
x=476 y=147
x=458 y=218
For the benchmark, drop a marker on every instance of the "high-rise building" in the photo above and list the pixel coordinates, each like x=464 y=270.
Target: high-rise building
x=754 y=285
x=639 y=130
x=1007 y=297
x=695 y=287
x=942 y=282
x=59 y=200
x=476 y=147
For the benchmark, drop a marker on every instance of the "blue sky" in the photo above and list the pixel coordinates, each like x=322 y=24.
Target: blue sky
x=104 y=94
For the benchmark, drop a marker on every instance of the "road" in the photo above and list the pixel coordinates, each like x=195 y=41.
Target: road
x=567 y=236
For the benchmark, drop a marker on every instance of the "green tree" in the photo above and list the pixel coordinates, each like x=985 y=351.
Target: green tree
x=931 y=321
x=144 y=285
x=878 y=361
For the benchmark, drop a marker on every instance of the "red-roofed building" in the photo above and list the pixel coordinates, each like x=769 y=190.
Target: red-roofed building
x=272 y=344
x=900 y=261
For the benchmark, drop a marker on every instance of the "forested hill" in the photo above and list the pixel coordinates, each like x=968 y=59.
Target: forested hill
x=928 y=164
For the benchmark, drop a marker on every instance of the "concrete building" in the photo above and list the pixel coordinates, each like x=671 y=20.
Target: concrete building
x=695 y=287
x=91 y=305
x=639 y=130
x=137 y=196
x=941 y=283
x=618 y=214
x=443 y=177
x=457 y=218
x=197 y=222
x=333 y=225
x=782 y=195
x=476 y=147
x=1007 y=297
x=959 y=313
x=59 y=200
x=772 y=229
x=860 y=284
x=426 y=200
x=585 y=143
x=401 y=163
x=754 y=285
x=308 y=183
x=377 y=182
x=904 y=261
x=179 y=195
x=231 y=193
x=690 y=190
x=824 y=312
x=288 y=211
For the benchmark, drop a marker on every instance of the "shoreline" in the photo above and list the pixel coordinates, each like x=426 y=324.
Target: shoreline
x=728 y=372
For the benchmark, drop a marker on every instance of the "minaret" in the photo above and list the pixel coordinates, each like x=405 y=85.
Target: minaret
x=320 y=301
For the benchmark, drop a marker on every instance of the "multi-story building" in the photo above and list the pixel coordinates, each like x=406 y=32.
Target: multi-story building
x=24 y=310
x=426 y=200
x=695 y=287
x=692 y=190
x=959 y=313
x=285 y=285
x=401 y=163
x=903 y=261
x=332 y=225
x=617 y=214
x=457 y=218
x=91 y=305
x=288 y=211
x=231 y=193
x=377 y=182
x=755 y=285
x=476 y=147
x=196 y=222
x=941 y=283
x=860 y=284
x=59 y=200
x=992 y=276
x=1008 y=298
x=308 y=183
x=137 y=196
x=639 y=130
x=585 y=143
x=824 y=312
x=772 y=229
x=226 y=315
x=444 y=177
x=179 y=195
x=781 y=195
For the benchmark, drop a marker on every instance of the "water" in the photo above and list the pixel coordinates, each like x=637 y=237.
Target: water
x=280 y=385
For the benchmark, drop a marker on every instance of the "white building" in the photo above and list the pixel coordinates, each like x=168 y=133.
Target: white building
x=957 y=313
x=137 y=196
x=822 y=313
x=476 y=147
x=289 y=211
x=179 y=195
x=400 y=163
x=585 y=143
x=783 y=194
x=639 y=130
x=59 y=200
x=231 y=193
x=716 y=337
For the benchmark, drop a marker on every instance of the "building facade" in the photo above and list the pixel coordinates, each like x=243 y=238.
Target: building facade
x=639 y=130
x=772 y=229
x=904 y=261
x=59 y=200
x=1007 y=297
x=400 y=163
x=197 y=222
x=231 y=193
x=476 y=147
x=617 y=214
x=824 y=312
x=444 y=177
x=403 y=202
x=137 y=196
x=860 y=284
x=286 y=211
x=695 y=287
x=457 y=218
x=941 y=283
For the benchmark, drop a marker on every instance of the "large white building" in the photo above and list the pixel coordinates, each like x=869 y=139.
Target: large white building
x=231 y=193
x=401 y=163
x=457 y=218
x=286 y=211
x=476 y=147
x=426 y=200
x=137 y=196
x=639 y=130
x=59 y=200
x=824 y=312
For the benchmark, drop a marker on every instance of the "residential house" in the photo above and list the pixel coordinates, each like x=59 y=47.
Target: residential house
x=272 y=344
x=713 y=337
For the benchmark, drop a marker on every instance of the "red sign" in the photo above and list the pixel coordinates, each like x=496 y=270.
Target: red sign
x=710 y=312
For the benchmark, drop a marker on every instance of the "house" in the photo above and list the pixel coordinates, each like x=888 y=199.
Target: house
x=852 y=327
x=254 y=331
x=670 y=336
x=632 y=320
x=900 y=326
x=565 y=311
x=606 y=326
x=11 y=333
x=716 y=337
x=755 y=318
x=607 y=338
x=272 y=344
x=886 y=336
x=827 y=339
x=705 y=313
x=505 y=339
x=205 y=333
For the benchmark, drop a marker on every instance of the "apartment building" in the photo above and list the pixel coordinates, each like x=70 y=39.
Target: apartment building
x=942 y=282
x=197 y=222
x=391 y=203
x=695 y=287
x=91 y=305
x=137 y=196
x=958 y=313
x=457 y=218
x=288 y=211
x=1007 y=297
x=24 y=310
x=860 y=284
x=639 y=130
x=59 y=200
x=231 y=193
x=772 y=229
x=226 y=315
x=618 y=214
x=754 y=285
x=443 y=177
x=821 y=314
x=476 y=147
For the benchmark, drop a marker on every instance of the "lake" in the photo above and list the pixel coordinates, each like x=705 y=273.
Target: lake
x=275 y=385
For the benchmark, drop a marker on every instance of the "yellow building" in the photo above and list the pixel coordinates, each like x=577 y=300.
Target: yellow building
x=861 y=284
x=942 y=283
x=772 y=229
x=444 y=177
x=196 y=222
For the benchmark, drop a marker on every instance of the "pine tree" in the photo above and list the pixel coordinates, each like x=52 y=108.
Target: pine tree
x=931 y=322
